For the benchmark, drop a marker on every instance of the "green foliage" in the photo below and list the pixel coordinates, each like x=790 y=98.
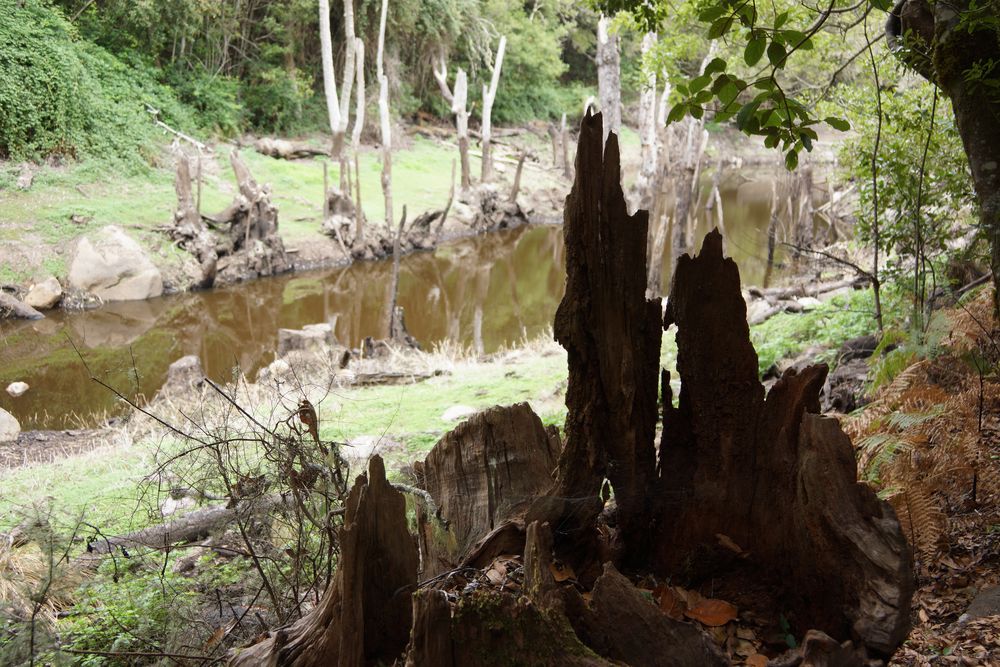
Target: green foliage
x=842 y=318
x=529 y=82
x=922 y=180
x=64 y=96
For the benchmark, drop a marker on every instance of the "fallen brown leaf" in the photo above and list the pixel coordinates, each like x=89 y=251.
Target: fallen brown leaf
x=712 y=613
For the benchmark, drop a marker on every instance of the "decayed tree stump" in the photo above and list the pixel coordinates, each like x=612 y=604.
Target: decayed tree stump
x=772 y=475
x=240 y=242
x=764 y=477
x=483 y=476
x=365 y=615
x=611 y=333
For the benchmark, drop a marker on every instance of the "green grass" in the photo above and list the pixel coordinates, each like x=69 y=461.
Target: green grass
x=844 y=317
x=103 y=484
x=143 y=199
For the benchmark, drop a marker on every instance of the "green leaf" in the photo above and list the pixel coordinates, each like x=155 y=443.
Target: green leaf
x=720 y=27
x=676 y=112
x=780 y=20
x=728 y=93
x=776 y=54
x=699 y=83
x=717 y=65
x=771 y=141
x=745 y=113
x=791 y=160
x=838 y=123
x=711 y=13
x=807 y=142
x=754 y=50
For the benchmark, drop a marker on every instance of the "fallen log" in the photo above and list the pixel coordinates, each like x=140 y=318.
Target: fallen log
x=808 y=289
x=12 y=307
x=284 y=149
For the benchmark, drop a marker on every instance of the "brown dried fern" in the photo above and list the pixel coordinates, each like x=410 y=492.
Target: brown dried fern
x=921 y=519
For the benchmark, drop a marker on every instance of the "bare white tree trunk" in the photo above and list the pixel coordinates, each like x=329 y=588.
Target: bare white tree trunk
x=609 y=89
x=359 y=109
x=329 y=76
x=350 y=44
x=564 y=133
x=489 y=96
x=347 y=83
x=384 y=124
x=457 y=100
x=646 y=180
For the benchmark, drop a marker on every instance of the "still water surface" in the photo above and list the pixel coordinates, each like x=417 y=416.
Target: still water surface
x=484 y=293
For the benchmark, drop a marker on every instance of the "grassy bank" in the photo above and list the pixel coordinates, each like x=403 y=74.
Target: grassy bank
x=404 y=419
x=40 y=226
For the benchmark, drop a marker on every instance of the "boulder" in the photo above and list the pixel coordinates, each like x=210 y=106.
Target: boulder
x=458 y=413
x=114 y=267
x=312 y=337
x=16 y=389
x=9 y=428
x=183 y=376
x=44 y=295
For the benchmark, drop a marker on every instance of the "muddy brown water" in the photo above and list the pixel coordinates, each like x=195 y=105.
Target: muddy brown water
x=484 y=293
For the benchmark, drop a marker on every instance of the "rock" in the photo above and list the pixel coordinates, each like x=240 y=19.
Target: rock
x=809 y=303
x=16 y=389
x=362 y=447
x=11 y=307
x=312 y=337
x=861 y=347
x=986 y=603
x=458 y=412
x=9 y=428
x=44 y=295
x=758 y=310
x=275 y=370
x=184 y=375
x=26 y=176
x=114 y=267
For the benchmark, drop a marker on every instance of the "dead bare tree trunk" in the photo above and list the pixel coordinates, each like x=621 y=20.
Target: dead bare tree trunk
x=617 y=396
x=804 y=218
x=384 y=120
x=350 y=45
x=489 y=96
x=329 y=78
x=554 y=136
x=517 y=178
x=365 y=614
x=609 y=87
x=390 y=320
x=646 y=180
x=457 y=100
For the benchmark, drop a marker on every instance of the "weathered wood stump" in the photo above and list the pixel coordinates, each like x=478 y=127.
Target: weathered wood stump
x=365 y=615
x=241 y=242
x=483 y=476
x=752 y=497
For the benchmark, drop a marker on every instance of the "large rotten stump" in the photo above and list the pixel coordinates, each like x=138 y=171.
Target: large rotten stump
x=482 y=477
x=612 y=335
x=365 y=614
x=770 y=474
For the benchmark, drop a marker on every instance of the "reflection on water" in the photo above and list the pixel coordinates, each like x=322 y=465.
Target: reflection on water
x=483 y=293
